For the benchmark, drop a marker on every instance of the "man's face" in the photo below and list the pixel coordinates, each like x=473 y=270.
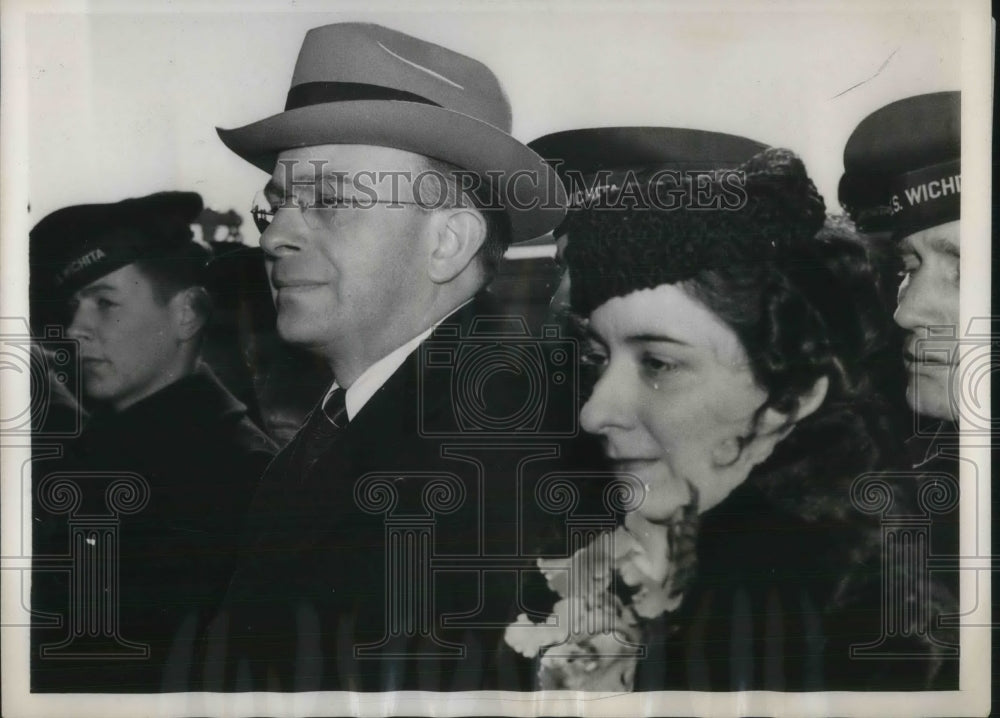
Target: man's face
x=928 y=304
x=129 y=341
x=348 y=273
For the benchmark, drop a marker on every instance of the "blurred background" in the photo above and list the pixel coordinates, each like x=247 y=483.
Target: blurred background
x=123 y=100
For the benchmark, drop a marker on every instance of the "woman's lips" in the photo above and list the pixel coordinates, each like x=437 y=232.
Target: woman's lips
x=631 y=466
x=297 y=284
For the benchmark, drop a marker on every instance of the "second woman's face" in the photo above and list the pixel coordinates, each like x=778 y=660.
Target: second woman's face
x=674 y=400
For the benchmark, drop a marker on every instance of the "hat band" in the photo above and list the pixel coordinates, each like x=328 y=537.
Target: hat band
x=877 y=218
x=92 y=265
x=319 y=93
x=927 y=197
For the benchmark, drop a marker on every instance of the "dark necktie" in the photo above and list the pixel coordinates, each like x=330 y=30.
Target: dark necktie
x=324 y=427
x=335 y=408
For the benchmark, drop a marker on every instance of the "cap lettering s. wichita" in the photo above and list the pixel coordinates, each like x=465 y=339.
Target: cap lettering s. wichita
x=903 y=165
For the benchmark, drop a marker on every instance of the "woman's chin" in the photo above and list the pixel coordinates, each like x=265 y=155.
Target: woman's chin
x=660 y=512
x=665 y=495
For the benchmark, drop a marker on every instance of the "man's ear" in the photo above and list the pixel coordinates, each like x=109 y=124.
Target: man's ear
x=460 y=233
x=190 y=309
x=774 y=425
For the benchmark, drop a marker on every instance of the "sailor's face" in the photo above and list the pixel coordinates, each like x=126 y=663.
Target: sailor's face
x=929 y=312
x=129 y=339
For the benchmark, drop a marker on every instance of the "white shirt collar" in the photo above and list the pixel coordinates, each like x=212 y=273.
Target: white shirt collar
x=372 y=378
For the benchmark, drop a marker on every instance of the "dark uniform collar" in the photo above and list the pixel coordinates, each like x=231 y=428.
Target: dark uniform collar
x=200 y=397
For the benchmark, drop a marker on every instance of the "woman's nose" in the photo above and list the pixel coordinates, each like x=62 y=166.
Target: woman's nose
x=611 y=404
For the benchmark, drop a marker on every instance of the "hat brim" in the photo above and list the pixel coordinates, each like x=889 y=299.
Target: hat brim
x=533 y=196
x=593 y=149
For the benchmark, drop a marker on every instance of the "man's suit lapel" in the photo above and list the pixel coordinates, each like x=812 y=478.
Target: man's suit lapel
x=385 y=435
x=392 y=421
x=374 y=438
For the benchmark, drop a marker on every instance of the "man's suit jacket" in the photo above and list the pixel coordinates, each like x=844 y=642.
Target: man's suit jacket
x=365 y=570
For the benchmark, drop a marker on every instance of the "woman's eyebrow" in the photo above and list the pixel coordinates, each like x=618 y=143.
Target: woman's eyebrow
x=646 y=337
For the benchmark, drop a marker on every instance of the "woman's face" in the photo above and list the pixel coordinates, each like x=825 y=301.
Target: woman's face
x=675 y=397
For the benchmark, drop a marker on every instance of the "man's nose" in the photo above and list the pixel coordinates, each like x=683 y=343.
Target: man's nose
x=611 y=404
x=281 y=237
x=918 y=302
x=80 y=326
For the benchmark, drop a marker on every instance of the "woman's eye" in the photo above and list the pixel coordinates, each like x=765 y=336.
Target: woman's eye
x=654 y=366
x=593 y=361
x=594 y=358
x=103 y=303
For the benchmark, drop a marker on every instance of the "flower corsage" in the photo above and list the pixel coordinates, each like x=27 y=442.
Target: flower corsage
x=608 y=591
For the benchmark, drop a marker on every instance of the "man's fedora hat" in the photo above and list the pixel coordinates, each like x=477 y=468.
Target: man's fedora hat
x=365 y=84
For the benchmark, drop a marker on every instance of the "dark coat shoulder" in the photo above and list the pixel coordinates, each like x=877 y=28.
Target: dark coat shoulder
x=169 y=480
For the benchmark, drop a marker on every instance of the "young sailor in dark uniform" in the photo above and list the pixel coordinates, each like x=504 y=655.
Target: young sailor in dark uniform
x=136 y=524
x=903 y=174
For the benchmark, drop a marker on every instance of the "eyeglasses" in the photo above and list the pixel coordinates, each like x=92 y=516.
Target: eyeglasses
x=319 y=206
